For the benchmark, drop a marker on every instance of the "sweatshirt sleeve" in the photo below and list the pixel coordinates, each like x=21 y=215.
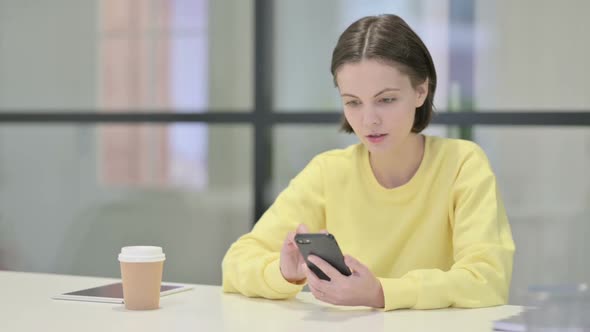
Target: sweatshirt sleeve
x=251 y=265
x=483 y=249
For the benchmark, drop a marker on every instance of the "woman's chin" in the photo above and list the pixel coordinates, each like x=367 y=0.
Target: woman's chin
x=378 y=148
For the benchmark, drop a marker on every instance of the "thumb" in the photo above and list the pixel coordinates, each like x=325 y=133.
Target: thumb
x=354 y=264
x=302 y=228
x=290 y=239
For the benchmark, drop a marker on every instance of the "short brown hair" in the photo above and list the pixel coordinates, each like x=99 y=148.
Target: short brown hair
x=390 y=39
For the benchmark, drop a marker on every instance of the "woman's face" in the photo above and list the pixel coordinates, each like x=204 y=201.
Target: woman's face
x=379 y=103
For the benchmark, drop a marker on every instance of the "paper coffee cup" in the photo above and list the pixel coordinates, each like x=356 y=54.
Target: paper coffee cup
x=141 y=272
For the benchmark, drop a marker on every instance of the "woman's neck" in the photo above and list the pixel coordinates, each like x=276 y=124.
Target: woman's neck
x=396 y=168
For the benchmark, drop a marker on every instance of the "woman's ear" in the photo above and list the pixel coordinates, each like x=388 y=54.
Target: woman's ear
x=421 y=93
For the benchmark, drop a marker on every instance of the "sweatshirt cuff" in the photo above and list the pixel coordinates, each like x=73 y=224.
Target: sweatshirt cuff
x=399 y=293
x=275 y=280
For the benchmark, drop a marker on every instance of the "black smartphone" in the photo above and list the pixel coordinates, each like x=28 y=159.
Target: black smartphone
x=323 y=245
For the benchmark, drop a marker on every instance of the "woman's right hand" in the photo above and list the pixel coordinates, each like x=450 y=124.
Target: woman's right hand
x=291 y=260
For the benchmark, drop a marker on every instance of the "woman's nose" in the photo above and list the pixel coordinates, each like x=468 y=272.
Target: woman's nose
x=371 y=118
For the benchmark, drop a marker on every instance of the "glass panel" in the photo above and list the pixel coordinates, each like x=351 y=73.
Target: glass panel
x=295 y=145
x=231 y=55
x=303 y=51
x=524 y=63
x=489 y=56
x=127 y=56
x=48 y=56
x=71 y=196
x=543 y=177
x=189 y=14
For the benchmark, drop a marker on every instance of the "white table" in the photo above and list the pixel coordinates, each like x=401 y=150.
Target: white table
x=26 y=306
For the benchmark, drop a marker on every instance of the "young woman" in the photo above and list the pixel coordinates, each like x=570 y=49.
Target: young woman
x=420 y=217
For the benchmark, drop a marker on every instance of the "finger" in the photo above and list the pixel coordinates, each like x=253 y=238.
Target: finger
x=355 y=265
x=326 y=267
x=322 y=296
x=319 y=288
x=290 y=239
x=316 y=293
x=302 y=228
x=313 y=280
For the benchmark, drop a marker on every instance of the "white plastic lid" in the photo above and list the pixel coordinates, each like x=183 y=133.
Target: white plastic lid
x=141 y=254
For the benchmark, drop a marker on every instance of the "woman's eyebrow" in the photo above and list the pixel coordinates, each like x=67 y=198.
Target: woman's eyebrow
x=378 y=93
x=386 y=90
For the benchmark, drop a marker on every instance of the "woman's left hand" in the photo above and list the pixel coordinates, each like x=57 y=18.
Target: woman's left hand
x=361 y=288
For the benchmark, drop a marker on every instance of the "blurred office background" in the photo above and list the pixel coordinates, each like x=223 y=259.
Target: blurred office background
x=253 y=77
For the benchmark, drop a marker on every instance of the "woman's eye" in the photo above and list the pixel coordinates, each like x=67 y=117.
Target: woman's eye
x=387 y=100
x=352 y=103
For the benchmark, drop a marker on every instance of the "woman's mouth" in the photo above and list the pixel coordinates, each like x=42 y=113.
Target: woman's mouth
x=376 y=138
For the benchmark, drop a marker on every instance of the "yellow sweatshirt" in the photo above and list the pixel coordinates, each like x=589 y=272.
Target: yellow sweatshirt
x=440 y=240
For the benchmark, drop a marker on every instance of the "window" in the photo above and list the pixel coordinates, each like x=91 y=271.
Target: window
x=153 y=57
